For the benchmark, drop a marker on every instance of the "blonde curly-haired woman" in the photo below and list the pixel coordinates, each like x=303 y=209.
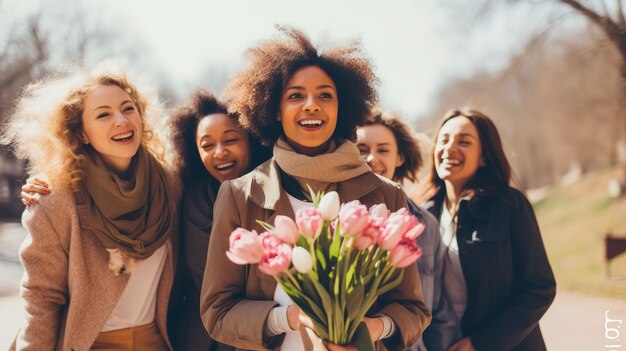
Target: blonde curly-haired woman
x=99 y=255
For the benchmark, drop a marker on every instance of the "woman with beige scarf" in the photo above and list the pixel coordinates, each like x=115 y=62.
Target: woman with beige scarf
x=308 y=106
x=99 y=256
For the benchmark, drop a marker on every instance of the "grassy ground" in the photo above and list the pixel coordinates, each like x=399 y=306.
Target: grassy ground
x=574 y=220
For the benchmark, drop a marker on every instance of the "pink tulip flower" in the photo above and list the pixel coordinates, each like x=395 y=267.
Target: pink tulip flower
x=353 y=218
x=397 y=225
x=245 y=247
x=414 y=228
x=276 y=260
x=269 y=241
x=405 y=253
x=286 y=229
x=379 y=211
x=369 y=236
x=310 y=222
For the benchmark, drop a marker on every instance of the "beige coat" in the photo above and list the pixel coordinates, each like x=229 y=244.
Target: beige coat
x=236 y=300
x=68 y=289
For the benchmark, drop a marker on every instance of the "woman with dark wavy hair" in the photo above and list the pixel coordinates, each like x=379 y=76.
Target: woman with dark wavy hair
x=307 y=105
x=496 y=271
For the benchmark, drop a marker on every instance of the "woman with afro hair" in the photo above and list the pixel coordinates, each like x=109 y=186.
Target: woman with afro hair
x=306 y=105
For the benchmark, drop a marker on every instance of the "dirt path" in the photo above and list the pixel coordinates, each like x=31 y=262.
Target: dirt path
x=577 y=322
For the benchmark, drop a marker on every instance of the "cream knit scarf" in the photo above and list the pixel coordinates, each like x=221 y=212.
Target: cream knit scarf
x=320 y=172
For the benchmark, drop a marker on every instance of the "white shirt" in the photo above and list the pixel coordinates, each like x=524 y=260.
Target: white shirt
x=453 y=279
x=137 y=304
x=293 y=340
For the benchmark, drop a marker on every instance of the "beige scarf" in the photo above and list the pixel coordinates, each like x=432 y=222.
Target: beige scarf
x=130 y=215
x=320 y=172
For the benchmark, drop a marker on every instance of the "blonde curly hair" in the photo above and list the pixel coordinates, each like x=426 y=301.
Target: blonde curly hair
x=46 y=128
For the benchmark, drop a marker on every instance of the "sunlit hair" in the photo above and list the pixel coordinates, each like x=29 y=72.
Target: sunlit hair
x=494 y=174
x=46 y=128
x=408 y=146
x=255 y=92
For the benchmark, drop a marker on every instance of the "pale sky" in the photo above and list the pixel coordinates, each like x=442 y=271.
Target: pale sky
x=415 y=45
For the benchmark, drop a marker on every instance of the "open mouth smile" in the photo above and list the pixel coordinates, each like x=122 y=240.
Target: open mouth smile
x=311 y=123
x=225 y=167
x=450 y=162
x=124 y=137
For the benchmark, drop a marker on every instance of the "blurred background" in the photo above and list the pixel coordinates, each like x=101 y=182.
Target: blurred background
x=551 y=73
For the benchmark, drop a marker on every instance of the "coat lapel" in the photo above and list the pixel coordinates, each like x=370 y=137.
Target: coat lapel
x=267 y=193
x=358 y=187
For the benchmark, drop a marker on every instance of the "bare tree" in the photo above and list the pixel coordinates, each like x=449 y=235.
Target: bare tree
x=555 y=104
x=609 y=18
x=53 y=34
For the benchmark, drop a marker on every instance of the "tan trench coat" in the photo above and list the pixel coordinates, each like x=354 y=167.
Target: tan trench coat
x=236 y=300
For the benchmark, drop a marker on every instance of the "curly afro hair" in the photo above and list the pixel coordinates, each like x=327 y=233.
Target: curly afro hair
x=184 y=123
x=255 y=91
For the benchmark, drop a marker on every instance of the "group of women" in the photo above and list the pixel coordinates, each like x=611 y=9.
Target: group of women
x=126 y=251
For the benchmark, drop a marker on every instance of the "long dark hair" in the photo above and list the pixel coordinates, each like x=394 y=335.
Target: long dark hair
x=493 y=175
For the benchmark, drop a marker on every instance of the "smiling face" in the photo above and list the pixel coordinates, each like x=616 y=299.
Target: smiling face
x=112 y=125
x=308 y=110
x=223 y=147
x=458 y=152
x=379 y=147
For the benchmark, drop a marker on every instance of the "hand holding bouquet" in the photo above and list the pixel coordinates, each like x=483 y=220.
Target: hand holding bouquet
x=343 y=258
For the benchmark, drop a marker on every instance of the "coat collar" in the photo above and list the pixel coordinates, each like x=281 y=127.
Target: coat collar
x=478 y=207
x=266 y=190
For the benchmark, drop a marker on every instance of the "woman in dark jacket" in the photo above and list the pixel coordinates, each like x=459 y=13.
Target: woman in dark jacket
x=496 y=272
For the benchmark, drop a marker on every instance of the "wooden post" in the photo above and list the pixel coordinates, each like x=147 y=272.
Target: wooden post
x=613 y=247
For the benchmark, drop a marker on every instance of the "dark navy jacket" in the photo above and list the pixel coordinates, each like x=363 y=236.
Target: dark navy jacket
x=510 y=283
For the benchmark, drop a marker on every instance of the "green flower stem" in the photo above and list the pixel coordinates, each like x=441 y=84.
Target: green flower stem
x=312 y=250
x=373 y=257
x=291 y=279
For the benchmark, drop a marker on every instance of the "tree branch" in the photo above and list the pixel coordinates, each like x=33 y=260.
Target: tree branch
x=610 y=27
x=587 y=12
x=620 y=13
x=605 y=10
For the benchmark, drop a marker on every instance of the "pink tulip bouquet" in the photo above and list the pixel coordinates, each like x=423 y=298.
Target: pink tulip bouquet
x=333 y=261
